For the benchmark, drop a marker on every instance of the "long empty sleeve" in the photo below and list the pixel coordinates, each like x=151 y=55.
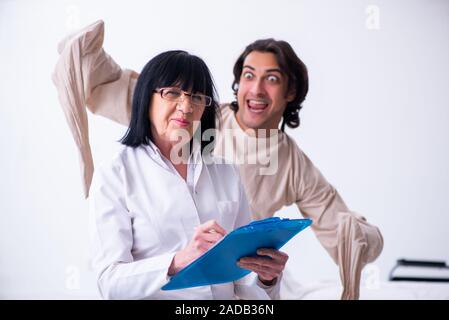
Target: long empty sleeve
x=83 y=73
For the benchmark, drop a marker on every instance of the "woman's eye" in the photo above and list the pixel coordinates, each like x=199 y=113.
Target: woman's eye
x=197 y=98
x=172 y=93
x=248 y=75
x=272 y=78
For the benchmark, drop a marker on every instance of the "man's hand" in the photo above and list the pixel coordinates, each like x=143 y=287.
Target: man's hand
x=268 y=265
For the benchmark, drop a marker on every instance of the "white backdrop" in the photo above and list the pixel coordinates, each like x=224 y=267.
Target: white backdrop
x=376 y=121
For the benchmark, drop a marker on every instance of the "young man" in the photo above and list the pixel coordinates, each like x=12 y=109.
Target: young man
x=270 y=83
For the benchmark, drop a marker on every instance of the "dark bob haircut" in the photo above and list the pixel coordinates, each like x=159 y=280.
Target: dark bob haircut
x=290 y=64
x=171 y=68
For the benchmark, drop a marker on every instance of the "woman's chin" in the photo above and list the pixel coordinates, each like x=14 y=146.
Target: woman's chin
x=181 y=134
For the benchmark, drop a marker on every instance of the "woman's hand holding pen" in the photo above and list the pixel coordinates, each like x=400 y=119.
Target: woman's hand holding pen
x=204 y=237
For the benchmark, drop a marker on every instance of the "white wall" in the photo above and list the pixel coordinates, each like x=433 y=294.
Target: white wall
x=376 y=120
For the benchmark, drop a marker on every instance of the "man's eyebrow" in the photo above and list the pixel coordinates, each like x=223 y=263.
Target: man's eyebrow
x=274 y=70
x=268 y=70
x=249 y=67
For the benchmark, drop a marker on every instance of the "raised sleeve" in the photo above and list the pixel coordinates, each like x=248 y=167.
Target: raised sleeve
x=86 y=76
x=349 y=239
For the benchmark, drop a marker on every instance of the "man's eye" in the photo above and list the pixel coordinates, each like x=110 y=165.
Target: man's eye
x=248 y=75
x=272 y=78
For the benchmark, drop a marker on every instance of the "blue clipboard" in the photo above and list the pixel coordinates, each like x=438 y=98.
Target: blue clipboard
x=219 y=264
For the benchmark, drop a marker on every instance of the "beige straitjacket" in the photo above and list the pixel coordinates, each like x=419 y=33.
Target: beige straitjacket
x=85 y=75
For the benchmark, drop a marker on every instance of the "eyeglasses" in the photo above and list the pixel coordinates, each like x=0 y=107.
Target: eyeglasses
x=178 y=95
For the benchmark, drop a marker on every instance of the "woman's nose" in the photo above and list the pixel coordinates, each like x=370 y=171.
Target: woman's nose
x=185 y=105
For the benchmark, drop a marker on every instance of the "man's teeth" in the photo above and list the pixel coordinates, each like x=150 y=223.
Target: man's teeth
x=257 y=102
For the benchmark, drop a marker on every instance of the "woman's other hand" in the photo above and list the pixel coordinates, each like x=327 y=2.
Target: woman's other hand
x=268 y=265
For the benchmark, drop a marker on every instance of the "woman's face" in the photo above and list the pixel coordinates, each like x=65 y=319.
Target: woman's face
x=174 y=118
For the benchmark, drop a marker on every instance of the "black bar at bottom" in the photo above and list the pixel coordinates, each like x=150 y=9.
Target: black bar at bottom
x=419 y=279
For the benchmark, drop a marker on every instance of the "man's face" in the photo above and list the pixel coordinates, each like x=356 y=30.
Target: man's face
x=262 y=93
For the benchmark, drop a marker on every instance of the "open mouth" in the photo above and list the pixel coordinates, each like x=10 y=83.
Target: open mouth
x=256 y=106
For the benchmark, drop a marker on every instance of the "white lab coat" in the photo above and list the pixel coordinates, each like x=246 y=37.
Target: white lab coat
x=142 y=212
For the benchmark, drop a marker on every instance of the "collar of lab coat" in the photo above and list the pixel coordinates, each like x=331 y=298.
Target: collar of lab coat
x=194 y=164
x=194 y=158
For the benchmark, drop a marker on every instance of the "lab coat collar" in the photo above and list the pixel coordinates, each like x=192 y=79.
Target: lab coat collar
x=194 y=158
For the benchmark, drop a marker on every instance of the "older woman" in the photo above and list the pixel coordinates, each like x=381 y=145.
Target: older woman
x=155 y=209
